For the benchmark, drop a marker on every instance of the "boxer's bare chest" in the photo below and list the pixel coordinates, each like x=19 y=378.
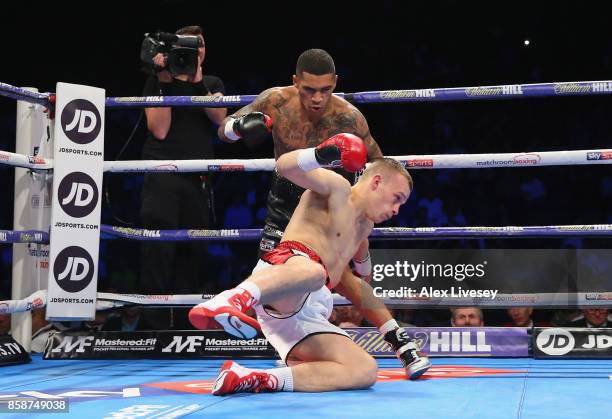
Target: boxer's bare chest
x=293 y=130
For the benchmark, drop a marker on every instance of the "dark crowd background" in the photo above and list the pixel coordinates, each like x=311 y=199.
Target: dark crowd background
x=377 y=46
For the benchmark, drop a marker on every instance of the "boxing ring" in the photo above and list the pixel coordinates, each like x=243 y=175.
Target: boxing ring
x=454 y=387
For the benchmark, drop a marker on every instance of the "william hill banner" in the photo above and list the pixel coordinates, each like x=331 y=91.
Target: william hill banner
x=451 y=341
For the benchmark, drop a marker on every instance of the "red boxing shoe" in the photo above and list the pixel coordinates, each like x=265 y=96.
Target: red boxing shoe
x=228 y=309
x=234 y=378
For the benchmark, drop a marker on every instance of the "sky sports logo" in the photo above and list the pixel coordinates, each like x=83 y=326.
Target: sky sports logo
x=226 y=168
x=599 y=155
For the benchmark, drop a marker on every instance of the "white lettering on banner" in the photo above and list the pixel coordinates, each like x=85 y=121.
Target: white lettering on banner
x=512 y=89
x=80 y=193
x=39 y=395
x=125 y=342
x=458 y=342
x=13 y=347
x=602 y=87
x=598 y=342
x=75 y=263
x=125 y=393
x=9 y=348
x=67 y=344
x=72 y=268
x=425 y=93
x=82 y=117
x=191 y=342
x=235 y=342
x=137 y=411
x=3 y=237
x=180 y=411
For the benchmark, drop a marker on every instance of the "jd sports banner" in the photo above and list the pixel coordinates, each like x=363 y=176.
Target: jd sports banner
x=77 y=189
x=572 y=343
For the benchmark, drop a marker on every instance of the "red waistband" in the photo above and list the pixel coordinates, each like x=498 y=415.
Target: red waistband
x=301 y=247
x=295 y=245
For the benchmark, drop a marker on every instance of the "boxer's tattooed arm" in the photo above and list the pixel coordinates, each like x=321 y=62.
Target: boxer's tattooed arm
x=262 y=103
x=281 y=114
x=352 y=122
x=363 y=131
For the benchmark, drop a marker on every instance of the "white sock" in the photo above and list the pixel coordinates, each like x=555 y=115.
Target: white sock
x=252 y=288
x=388 y=326
x=284 y=377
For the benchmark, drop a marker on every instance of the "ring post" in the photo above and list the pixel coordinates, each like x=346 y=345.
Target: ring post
x=31 y=210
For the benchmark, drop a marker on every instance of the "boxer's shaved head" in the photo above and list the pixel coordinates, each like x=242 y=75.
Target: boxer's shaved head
x=315 y=61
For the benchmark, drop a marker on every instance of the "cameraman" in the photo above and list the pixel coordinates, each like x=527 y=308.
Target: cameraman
x=177 y=200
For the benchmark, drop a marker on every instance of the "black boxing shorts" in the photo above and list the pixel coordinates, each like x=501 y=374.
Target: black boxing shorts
x=283 y=197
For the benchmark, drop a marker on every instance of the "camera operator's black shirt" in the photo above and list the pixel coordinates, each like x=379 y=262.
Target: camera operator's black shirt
x=191 y=132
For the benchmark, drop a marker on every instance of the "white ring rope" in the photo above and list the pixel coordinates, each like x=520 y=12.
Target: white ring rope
x=27 y=162
x=107 y=301
x=432 y=161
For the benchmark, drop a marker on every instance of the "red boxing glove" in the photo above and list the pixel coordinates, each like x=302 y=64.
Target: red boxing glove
x=346 y=149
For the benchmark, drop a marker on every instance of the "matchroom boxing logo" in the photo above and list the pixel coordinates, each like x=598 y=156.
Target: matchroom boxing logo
x=78 y=194
x=81 y=121
x=73 y=269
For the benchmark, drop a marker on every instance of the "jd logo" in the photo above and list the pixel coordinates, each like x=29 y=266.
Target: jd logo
x=73 y=269
x=598 y=342
x=555 y=341
x=81 y=121
x=78 y=194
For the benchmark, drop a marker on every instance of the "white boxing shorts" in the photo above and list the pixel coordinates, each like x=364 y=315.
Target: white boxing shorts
x=285 y=330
